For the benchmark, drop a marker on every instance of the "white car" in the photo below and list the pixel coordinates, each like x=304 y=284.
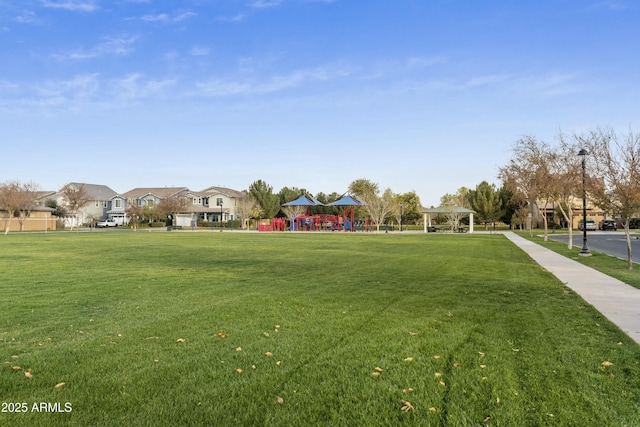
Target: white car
x=591 y=225
x=106 y=223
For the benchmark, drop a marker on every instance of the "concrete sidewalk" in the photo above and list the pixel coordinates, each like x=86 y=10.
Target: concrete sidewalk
x=617 y=301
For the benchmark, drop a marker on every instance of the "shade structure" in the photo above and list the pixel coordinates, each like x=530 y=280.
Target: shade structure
x=304 y=200
x=448 y=209
x=345 y=201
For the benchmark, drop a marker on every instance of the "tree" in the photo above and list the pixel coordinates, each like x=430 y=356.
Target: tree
x=76 y=198
x=17 y=199
x=376 y=206
x=171 y=206
x=286 y=195
x=486 y=201
x=263 y=194
x=328 y=198
x=58 y=210
x=135 y=212
x=614 y=165
x=461 y=198
x=247 y=207
x=411 y=207
x=405 y=208
x=528 y=174
x=565 y=180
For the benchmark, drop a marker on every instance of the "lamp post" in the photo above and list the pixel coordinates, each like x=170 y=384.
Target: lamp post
x=585 y=249
x=220 y=204
x=400 y=216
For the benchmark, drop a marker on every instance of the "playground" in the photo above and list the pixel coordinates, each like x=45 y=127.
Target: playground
x=300 y=218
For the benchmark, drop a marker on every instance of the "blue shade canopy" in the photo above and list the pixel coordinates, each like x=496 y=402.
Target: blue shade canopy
x=347 y=200
x=304 y=200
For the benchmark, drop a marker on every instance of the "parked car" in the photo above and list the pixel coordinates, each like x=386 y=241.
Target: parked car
x=608 y=224
x=591 y=225
x=106 y=223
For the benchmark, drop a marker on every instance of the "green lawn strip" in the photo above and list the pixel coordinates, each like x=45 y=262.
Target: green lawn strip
x=607 y=264
x=480 y=333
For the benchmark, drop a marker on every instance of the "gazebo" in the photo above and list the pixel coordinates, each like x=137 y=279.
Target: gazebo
x=450 y=210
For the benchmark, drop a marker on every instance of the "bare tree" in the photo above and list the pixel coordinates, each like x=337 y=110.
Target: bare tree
x=292 y=212
x=615 y=166
x=248 y=207
x=172 y=206
x=528 y=173
x=565 y=180
x=76 y=197
x=17 y=199
x=135 y=213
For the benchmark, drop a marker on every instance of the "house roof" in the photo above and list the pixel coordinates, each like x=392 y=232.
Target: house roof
x=161 y=192
x=231 y=193
x=41 y=197
x=96 y=191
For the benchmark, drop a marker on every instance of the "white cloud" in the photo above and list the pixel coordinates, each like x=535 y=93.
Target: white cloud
x=236 y=18
x=82 y=92
x=134 y=87
x=27 y=17
x=616 y=5
x=199 y=51
x=166 y=18
x=253 y=86
x=118 y=46
x=263 y=4
x=72 y=5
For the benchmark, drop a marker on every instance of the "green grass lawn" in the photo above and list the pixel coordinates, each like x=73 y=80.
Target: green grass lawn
x=607 y=264
x=167 y=329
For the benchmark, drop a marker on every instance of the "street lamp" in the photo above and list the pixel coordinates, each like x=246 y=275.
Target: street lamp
x=585 y=249
x=400 y=216
x=219 y=202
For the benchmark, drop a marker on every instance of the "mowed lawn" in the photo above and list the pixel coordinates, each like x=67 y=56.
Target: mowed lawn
x=173 y=329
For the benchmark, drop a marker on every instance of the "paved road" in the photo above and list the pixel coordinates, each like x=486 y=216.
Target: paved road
x=608 y=242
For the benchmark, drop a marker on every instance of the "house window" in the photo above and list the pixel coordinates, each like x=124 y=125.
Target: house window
x=118 y=203
x=97 y=203
x=219 y=201
x=150 y=203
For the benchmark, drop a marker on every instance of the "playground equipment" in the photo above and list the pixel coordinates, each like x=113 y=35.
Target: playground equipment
x=321 y=222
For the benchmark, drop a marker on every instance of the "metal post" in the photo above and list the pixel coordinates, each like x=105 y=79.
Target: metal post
x=585 y=249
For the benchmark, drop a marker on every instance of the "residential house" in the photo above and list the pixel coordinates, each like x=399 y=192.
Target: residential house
x=96 y=208
x=213 y=204
x=149 y=197
x=554 y=216
x=42 y=197
x=223 y=200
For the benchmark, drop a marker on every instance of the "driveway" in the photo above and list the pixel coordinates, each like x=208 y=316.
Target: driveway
x=608 y=242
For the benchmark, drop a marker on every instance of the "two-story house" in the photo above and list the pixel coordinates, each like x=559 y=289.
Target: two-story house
x=213 y=204
x=149 y=197
x=223 y=201
x=98 y=203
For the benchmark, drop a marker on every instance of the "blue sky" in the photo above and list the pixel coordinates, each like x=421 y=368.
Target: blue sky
x=423 y=95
